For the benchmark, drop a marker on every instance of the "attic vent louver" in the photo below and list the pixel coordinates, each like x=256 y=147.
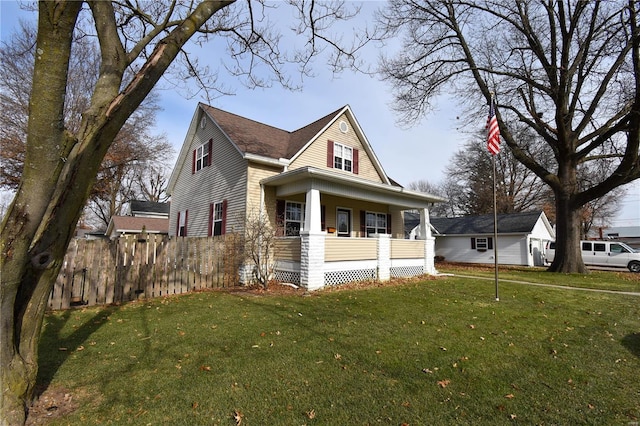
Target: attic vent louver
x=344 y=127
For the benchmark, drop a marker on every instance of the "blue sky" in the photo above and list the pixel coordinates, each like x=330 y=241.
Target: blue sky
x=421 y=152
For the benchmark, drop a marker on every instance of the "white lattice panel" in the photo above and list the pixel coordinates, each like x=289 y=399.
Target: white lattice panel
x=406 y=271
x=340 y=277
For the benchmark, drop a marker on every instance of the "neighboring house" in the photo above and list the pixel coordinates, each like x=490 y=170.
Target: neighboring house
x=338 y=216
x=149 y=209
x=522 y=238
x=149 y=216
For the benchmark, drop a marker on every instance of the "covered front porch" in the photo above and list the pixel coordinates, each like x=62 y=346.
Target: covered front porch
x=349 y=229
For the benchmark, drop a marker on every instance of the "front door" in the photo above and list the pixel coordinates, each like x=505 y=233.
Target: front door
x=343 y=222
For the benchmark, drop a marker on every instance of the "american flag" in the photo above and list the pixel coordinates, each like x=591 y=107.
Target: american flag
x=493 y=137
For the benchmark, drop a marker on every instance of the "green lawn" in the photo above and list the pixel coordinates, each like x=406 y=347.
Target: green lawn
x=432 y=352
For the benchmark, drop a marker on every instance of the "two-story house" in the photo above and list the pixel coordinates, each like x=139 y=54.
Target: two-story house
x=338 y=216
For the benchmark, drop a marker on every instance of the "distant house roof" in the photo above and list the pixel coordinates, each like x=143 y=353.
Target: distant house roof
x=261 y=139
x=512 y=223
x=133 y=225
x=149 y=207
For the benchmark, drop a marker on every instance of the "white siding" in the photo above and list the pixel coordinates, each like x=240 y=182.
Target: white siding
x=512 y=250
x=226 y=178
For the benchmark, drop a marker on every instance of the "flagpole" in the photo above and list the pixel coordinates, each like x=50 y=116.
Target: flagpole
x=495 y=228
x=493 y=144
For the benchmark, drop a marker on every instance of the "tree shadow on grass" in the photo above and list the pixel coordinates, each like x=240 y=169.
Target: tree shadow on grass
x=55 y=347
x=632 y=343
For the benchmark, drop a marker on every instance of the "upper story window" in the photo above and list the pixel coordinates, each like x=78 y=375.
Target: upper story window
x=342 y=157
x=202 y=156
x=293 y=218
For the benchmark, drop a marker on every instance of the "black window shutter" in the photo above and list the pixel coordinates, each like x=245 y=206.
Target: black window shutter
x=363 y=223
x=490 y=243
x=388 y=224
x=473 y=243
x=323 y=217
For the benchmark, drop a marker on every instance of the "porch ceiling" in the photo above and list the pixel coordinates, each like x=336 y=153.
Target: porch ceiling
x=329 y=182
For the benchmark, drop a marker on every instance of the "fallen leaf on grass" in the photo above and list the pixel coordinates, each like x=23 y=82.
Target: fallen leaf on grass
x=205 y=368
x=426 y=370
x=509 y=396
x=311 y=414
x=444 y=383
x=337 y=356
x=238 y=416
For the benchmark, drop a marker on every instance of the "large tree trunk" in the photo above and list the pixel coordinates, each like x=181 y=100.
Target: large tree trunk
x=33 y=246
x=59 y=171
x=568 y=256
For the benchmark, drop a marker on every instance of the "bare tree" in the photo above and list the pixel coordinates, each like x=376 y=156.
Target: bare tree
x=259 y=247
x=138 y=42
x=438 y=209
x=133 y=149
x=470 y=176
x=568 y=70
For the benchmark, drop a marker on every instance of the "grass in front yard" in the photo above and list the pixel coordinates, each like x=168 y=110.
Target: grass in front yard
x=621 y=280
x=432 y=352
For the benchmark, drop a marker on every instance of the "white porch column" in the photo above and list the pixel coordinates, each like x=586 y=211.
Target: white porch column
x=384 y=257
x=429 y=243
x=312 y=219
x=312 y=244
x=312 y=259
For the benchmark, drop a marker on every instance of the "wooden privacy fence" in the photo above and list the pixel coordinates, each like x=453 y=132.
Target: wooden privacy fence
x=98 y=272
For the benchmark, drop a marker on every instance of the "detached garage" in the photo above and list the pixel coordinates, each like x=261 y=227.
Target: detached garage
x=522 y=238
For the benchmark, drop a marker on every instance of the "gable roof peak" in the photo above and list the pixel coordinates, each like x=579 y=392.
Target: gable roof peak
x=254 y=137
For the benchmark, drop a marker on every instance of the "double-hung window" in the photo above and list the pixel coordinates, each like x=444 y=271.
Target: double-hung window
x=376 y=223
x=342 y=157
x=217 y=219
x=202 y=156
x=293 y=218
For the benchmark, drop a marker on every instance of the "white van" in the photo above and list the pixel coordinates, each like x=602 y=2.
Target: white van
x=602 y=253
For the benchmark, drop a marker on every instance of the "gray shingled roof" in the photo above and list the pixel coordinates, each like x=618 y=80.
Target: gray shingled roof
x=261 y=139
x=512 y=223
x=149 y=207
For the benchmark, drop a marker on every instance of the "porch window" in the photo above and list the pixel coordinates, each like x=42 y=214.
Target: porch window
x=293 y=218
x=342 y=157
x=376 y=223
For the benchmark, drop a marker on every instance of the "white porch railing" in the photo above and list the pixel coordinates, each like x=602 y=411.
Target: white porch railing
x=352 y=259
